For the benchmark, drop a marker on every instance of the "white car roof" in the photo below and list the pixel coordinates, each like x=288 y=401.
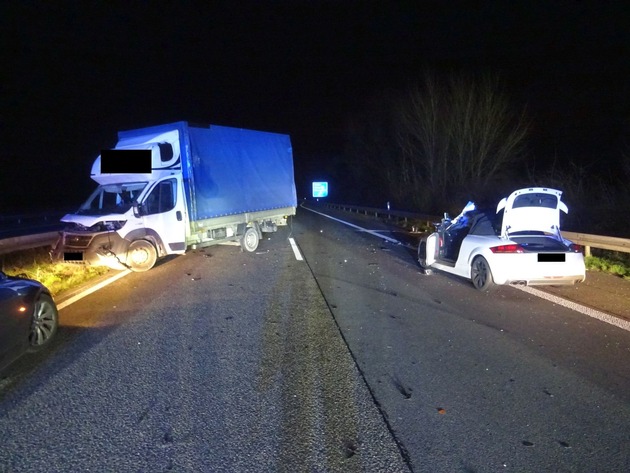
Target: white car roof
x=532 y=209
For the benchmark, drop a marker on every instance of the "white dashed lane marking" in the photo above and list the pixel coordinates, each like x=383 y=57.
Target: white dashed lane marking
x=296 y=250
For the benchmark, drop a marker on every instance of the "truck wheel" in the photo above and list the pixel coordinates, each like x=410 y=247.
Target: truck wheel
x=141 y=256
x=249 y=240
x=480 y=274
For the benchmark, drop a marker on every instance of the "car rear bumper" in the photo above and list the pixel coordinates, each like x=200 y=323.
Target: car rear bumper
x=525 y=269
x=549 y=281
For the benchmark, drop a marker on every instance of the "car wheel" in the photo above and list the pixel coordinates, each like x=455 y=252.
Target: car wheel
x=44 y=323
x=141 y=256
x=249 y=240
x=422 y=256
x=480 y=274
x=422 y=253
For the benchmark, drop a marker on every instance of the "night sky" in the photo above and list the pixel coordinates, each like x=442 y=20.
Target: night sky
x=74 y=73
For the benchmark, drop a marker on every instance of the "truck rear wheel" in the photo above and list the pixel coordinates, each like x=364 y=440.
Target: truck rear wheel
x=250 y=239
x=141 y=256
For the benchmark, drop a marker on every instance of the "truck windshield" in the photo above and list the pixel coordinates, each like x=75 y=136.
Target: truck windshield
x=112 y=198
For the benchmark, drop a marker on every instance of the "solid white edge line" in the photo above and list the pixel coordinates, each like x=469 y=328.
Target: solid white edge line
x=92 y=289
x=296 y=250
x=596 y=314
x=371 y=232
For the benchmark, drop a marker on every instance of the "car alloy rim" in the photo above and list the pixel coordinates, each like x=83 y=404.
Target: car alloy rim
x=480 y=273
x=43 y=323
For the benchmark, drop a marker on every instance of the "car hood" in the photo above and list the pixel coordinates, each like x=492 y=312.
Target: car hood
x=532 y=209
x=19 y=284
x=89 y=220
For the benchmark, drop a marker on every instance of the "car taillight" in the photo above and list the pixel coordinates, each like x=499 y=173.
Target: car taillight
x=575 y=248
x=507 y=249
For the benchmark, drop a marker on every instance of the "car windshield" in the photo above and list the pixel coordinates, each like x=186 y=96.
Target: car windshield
x=112 y=198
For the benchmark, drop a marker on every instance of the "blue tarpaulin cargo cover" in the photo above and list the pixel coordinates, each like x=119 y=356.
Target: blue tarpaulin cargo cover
x=226 y=170
x=236 y=171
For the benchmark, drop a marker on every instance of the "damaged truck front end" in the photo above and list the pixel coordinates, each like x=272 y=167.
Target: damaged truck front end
x=98 y=234
x=97 y=245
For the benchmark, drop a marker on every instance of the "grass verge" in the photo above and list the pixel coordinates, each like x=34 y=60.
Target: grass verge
x=37 y=264
x=612 y=262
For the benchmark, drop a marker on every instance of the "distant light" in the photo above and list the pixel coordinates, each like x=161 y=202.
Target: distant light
x=320 y=189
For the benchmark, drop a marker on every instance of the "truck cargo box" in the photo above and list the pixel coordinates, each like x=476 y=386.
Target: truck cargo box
x=227 y=170
x=237 y=171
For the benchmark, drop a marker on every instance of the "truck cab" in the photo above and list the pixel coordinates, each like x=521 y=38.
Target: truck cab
x=138 y=211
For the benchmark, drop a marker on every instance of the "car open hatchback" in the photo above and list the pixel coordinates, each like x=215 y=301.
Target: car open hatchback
x=518 y=243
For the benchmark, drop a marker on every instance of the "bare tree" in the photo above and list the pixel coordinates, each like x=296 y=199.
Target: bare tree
x=456 y=137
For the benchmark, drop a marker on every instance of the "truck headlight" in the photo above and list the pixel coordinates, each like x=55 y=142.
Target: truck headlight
x=112 y=225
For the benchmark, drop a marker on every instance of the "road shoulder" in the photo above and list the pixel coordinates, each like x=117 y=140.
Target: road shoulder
x=600 y=291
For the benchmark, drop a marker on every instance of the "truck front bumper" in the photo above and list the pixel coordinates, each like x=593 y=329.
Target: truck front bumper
x=95 y=249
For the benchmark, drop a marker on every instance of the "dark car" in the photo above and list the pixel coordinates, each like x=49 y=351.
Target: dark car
x=28 y=317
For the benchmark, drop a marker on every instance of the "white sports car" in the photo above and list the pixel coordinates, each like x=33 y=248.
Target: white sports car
x=521 y=246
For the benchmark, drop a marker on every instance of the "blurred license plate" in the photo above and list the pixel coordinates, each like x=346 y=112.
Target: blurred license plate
x=77 y=256
x=551 y=257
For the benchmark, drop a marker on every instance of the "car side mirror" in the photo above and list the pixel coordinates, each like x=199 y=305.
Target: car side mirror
x=137 y=209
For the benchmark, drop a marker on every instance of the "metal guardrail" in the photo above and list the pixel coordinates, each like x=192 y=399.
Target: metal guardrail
x=26 y=231
x=398 y=214
x=27 y=242
x=598 y=241
x=586 y=240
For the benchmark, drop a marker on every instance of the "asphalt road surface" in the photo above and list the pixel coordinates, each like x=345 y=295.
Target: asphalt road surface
x=351 y=360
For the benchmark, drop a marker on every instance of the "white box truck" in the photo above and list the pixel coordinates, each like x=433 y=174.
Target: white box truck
x=167 y=188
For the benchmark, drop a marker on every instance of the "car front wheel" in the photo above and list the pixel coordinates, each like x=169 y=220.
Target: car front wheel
x=480 y=274
x=422 y=256
x=44 y=323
